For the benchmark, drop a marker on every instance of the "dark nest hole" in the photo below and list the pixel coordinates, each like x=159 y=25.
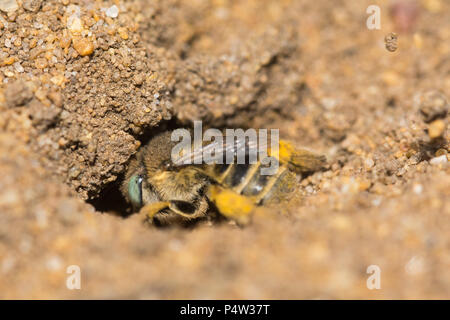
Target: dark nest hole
x=110 y=199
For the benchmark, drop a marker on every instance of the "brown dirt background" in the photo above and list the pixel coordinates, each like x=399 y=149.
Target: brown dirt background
x=80 y=91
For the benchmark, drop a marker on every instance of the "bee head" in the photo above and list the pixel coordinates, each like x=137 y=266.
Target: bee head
x=152 y=159
x=138 y=191
x=135 y=186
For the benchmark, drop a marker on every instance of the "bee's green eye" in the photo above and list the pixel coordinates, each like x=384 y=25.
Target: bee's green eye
x=135 y=190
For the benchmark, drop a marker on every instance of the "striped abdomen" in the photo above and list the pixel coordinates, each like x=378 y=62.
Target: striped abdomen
x=247 y=180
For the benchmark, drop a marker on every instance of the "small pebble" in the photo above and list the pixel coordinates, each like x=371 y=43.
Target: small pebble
x=9 y=61
x=433 y=105
x=65 y=41
x=41 y=63
x=18 y=67
x=138 y=79
x=123 y=33
x=54 y=263
x=369 y=163
x=83 y=46
x=32 y=5
x=58 y=80
x=74 y=24
x=112 y=11
x=417 y=188
x=415 y=265
x=439 y=160
x=376 y=202
x=8 y=6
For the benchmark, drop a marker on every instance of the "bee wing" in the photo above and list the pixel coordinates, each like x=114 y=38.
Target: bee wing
x=221 y=149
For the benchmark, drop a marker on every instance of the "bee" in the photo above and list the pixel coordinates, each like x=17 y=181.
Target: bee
x=171 y=193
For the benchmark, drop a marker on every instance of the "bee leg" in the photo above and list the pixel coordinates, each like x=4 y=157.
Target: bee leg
x=151 y=209
x=200 y=209
x=231 y=204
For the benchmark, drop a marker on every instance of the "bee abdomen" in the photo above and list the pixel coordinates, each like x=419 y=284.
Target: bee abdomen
x=247 y=180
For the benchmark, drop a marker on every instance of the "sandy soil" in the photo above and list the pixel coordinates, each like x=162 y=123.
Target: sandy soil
x=83 y=85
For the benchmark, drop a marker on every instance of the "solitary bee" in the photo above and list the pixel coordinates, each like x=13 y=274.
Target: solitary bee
x=174 y=193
